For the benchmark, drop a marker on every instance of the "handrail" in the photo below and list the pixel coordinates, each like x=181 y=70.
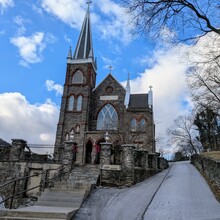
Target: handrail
x=43 y=184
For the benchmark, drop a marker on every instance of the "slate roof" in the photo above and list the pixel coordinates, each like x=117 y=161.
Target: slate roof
x=84 y=47
x=4 y=143
x=138 y=101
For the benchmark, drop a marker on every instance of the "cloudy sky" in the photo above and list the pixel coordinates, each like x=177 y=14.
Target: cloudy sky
x=34 y=40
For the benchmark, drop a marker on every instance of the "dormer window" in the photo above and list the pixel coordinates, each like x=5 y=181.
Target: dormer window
x=77 y=77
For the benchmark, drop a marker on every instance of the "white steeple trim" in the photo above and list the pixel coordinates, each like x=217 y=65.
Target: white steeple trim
x=128 y=92
x=150 y=97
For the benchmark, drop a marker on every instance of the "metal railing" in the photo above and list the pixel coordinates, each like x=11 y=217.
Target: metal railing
x=45 y=183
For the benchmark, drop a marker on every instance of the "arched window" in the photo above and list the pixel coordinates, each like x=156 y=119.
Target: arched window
x=71 y=103
x=107 y=118
x=142 y=124
x=77 y=77
x=77 y=129
x=133 y=125
x=67 y=136
x=79 y=103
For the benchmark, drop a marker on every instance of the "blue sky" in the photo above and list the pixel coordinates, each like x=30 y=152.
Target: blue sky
x=34 y=40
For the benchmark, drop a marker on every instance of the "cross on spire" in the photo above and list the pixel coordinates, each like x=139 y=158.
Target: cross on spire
x=110 y=67
x=150 y=87
x=88 y=3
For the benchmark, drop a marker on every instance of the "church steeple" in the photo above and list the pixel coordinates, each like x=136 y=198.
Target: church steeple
x=84 y=47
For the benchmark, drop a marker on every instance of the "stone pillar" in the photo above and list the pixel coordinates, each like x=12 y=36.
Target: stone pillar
x=144 y=161
x=105 y=154
x=128 y=164
x=17 y=150
x=67 y=153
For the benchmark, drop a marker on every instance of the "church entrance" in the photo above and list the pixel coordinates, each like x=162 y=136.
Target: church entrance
x=89 y=147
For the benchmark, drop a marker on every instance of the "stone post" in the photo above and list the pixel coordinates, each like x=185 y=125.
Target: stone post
x=128 y=164
x=67 y=152
x=144 y=161
x=105 y=154
x=17 y=150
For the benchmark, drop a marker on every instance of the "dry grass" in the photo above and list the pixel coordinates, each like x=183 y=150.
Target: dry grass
x=212 y=154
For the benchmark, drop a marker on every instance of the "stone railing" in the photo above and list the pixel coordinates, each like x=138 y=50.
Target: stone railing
x=209 y=167
x=136 y=165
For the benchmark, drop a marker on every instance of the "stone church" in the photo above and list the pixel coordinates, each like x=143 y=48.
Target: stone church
x=89 y=111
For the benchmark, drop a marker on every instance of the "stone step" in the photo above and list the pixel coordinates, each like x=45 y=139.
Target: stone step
x=61 y=198
x=75 y=204
x=67 y=193
x=42 y=212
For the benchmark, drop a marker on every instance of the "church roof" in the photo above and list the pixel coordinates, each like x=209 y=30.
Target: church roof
x=138 y=101
x=4 y=143
x=84 y=47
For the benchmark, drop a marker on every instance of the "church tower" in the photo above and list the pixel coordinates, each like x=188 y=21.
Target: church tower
x=79 y=83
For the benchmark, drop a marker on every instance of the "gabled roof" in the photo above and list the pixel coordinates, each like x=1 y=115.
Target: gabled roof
x=106 y=78
x=138 y=101
x=84 y=47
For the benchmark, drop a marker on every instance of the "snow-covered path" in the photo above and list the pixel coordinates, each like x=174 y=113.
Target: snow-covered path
x=178 y=193
x=184 y=195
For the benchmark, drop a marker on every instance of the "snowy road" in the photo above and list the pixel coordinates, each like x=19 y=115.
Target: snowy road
x=179 y=193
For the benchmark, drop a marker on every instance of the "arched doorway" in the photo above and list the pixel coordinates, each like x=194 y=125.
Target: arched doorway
x=89 y=147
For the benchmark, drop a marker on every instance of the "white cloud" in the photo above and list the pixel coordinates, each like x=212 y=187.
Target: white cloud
x=69 y=11
x=35 y=123
x=5 y=4
x=31 y=47
x=51 y=86
x=37 y=9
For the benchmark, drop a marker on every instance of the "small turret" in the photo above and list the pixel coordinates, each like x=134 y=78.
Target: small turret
x=69 y=56
x=128 y=91
x=150 y=98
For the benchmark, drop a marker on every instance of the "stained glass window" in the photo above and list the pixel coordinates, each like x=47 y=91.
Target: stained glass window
x=107 y=118
x=71 y=103
x=142 y=124
x=79 y=103
x=133 y=125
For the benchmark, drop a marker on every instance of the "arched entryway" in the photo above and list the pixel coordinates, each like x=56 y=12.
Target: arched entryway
x=89 y=147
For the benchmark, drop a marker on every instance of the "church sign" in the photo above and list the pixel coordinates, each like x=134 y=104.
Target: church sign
x=108 y=97
x=111 y=167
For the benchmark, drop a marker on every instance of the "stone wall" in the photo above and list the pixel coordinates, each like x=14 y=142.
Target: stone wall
x=136 y=165
x=209 y=167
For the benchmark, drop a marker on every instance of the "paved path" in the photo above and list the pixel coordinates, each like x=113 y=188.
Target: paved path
x=178 y=193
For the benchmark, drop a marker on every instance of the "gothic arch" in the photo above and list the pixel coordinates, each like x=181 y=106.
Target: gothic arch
x=107 y=118
x=77 y=77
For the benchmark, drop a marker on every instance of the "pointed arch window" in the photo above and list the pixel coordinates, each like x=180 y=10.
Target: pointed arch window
x=142 y=124
x=77 y=129
x=71 y=103
x=77 y=77
x=79 y=103
x=67 y=136
x=133 y=125
x=107 y=118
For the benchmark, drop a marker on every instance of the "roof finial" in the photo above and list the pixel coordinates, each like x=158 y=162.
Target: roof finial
x=110 y=67
x=88 y=3
x=150 y=87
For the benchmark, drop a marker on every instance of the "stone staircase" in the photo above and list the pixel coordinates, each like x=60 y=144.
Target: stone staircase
x=62 y=201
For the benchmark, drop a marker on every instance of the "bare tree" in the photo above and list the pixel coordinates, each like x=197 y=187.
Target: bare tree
x=189 y=19
x=184 y=136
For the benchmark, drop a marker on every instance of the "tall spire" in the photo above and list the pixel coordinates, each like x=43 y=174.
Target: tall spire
x=84 y=47
x=128 y=91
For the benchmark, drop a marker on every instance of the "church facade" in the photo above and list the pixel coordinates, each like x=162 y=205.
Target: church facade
x=88 y=111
